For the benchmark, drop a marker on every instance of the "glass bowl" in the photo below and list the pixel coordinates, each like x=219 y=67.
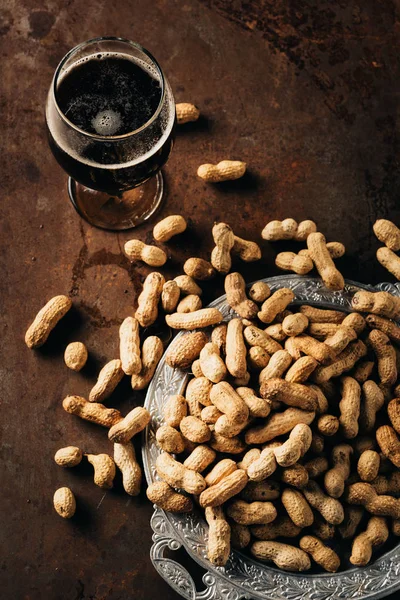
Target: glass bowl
x=244 y=577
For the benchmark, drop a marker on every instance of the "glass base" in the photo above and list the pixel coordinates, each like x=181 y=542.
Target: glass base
x=114 y=212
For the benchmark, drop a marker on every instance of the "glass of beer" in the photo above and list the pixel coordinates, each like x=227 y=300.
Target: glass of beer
x=110 y=117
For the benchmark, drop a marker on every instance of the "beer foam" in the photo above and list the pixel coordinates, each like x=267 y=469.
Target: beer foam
x=107 y=122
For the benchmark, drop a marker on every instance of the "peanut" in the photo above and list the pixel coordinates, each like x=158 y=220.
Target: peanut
x=246 y=250
x=385 y=355
x=174 y=410
x=147 y=310
x=263 y=467
x=185 y=349
x=296 y=476
x=394 y=413
x=331 y=277
x=317 y=443
x=387 y=485
x=210 y=414
x=259 y=491
x=257 y=358
x=278 y=424
x=152 y=350
x=368 y=465
x=195 y=430
x=281 y=527
x=224 y=397
x=198 y=268
x=385 y=325
x=275 y=304
x=240 y=536
x=363 y=371
x=352 y=518
x=125 y=459
x=301 y=370
x=45 y=321
x=322 y=401
x=151 y=255
x=254 y=513
x=225 y=170
x=321 y=315
x=108 y=379
x=341 y=339
x=375 y=535
x=235 y=288
x=259 y=291
x=328 y=425
x=295 y=446
x=64 y=502
x=377 y=303
x=293 y=325
x=212 y=364
x=321 y=554
x=224 y=241
x=189 y=304
x=258 y=407
x=250 y=457
x=194 y=320
x=94 y=412
x=104 y=470
x=129 y=346
x=227 y=487
x=226 y=445
x=389 y=260
x=170 y=296
x=318 y=350
x=284 y=556
x=276 y=332
x=335 y=249
x=134 y=422
x=387 y=233
x=291 y=394
x=75 y=356
x=198 y=390
x=68 y=457
x=289 y=261
x=222 y=469
x=186 y=113
x=276 y=367
x=218 y=337
x=162 y=495
x=219 y=536
x=345 y=361
x=173 y=225
x=389 y=443
x=335 y=478
x=187 y=285
x=316 y=467
x=330 y=508
x=280 y=230
x=200 y=458
x=179 y=476
x=364 y=494
x=349 y=407
x=257 y=337
x=322 y=529
x=297 y=507
x=235 y=349
x=170 y=440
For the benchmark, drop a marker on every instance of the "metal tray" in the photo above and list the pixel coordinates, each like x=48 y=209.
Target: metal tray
x=244 y=577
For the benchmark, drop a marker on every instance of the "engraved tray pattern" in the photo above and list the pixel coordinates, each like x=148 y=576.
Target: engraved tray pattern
x=243 y=577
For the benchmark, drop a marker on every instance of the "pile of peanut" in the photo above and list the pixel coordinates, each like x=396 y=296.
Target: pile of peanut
x=287 y=433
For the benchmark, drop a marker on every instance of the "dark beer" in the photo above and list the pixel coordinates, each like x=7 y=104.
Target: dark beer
x=110 y=95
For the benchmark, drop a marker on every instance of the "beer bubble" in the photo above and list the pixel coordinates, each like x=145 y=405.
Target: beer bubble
x=107 y=122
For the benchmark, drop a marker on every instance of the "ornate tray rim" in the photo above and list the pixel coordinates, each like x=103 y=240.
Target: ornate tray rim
x=244 y=577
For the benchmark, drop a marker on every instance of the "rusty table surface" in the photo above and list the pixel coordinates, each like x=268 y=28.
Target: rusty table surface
x=306 y=92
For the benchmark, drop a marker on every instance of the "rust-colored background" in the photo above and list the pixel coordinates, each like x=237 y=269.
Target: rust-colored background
x=305 y=92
